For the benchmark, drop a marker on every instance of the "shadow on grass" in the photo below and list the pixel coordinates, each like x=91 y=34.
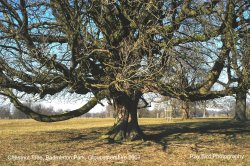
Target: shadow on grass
x=74 y=135
x=162 y=133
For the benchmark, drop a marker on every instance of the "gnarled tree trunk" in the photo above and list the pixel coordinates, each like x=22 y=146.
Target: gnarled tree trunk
x=126 y=126
x=240 y=107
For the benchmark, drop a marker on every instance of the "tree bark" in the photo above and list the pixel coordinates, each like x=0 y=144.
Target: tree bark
x=126 y=127
x=185 y=110
x=240 y=107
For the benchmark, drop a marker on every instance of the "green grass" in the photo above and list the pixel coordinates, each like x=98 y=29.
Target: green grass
x=168 y=143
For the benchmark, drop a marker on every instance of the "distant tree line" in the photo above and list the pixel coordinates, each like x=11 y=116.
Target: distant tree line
x=8 y=112
x=195 y=109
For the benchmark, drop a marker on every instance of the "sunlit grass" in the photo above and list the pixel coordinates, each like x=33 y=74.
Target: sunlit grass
x=169 y=142
x=29 y=125
x=15 y=126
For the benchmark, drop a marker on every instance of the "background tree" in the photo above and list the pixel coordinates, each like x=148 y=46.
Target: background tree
x=240 y=61
x=237 y=65
x=117 y=50
x=110 y=111
x=5 y=112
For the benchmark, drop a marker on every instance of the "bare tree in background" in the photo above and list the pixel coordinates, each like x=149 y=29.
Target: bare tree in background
x=5 y=112
x=240 y=64
x=116 y=50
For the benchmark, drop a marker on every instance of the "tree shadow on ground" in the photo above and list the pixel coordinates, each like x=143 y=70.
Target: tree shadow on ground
x=162 y=134
x=75 y=135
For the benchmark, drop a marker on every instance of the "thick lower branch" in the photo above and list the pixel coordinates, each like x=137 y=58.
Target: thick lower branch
x=54 y=118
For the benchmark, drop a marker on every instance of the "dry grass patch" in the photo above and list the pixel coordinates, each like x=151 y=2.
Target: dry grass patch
x=169 y=143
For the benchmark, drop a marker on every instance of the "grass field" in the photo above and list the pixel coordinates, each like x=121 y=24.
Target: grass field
x=78 y=142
